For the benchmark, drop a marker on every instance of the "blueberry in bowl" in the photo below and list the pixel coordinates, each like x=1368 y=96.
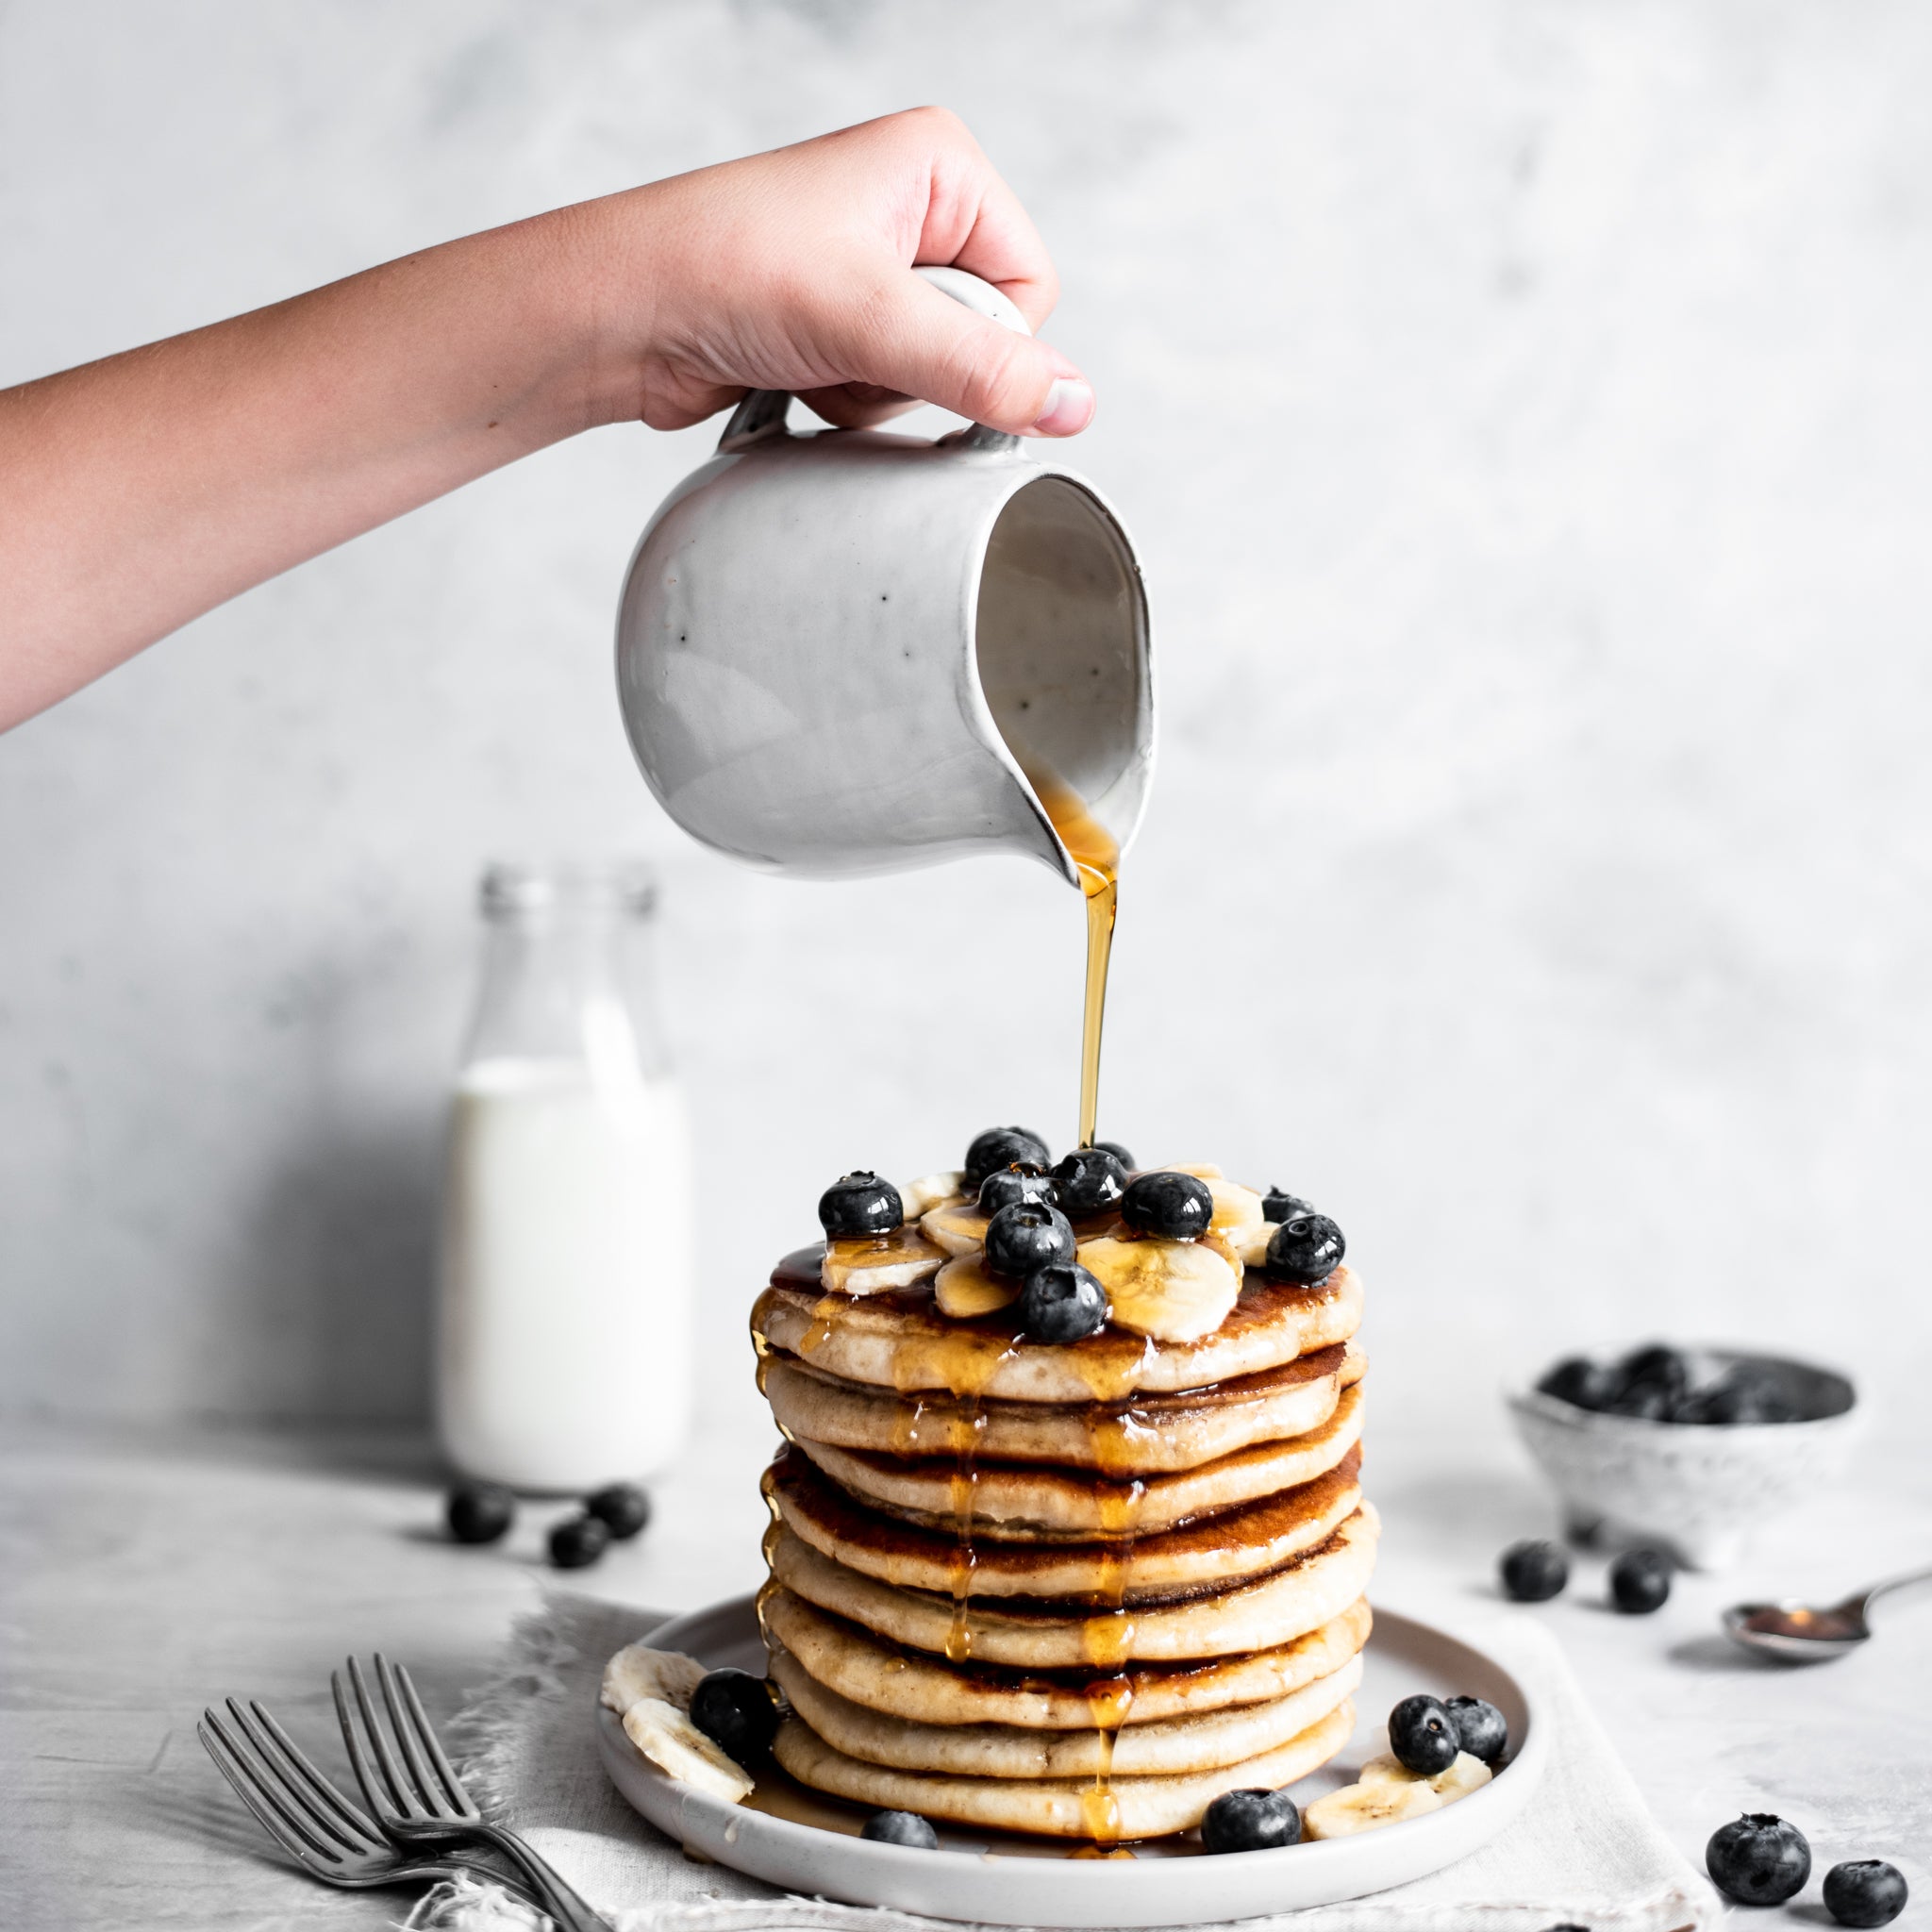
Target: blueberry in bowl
x=1686 y=1450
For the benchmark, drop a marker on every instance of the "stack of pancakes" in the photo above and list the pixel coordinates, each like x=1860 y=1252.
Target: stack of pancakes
x=1070 y=1588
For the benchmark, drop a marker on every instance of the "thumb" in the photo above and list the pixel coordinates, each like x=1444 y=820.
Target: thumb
x=913 y=338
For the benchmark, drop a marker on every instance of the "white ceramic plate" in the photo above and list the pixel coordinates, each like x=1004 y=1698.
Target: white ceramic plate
x=1013 y=1881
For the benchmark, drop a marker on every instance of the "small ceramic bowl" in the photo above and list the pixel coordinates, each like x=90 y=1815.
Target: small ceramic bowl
x=1699 y=1490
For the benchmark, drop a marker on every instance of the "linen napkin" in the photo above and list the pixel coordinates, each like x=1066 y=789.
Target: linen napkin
x=1586 y=1853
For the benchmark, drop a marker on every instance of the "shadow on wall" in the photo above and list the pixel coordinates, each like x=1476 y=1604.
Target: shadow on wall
x=341 y=1251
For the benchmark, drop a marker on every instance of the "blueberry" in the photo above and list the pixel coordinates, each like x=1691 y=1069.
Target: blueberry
x=1307 y=1248
x=1061 y=1302
x=1645 y=1403
x=1000 y=1148
x=622 y=1506
x=1866 y=1891
x=1745 y=1392
x=735 y=1710
x=579 y=1541
x=479 y=1512
x=1023 y=1181
x=1480 y=1727
x=1758 y=1859
x=1579 y=1381
x=1251 y=1820
x=1422 y=1736
x=1090 y=1180
x=1026 y=1236
x=1119 y=1152
x=860 y=1203
x=1175 y=1205
x=901 y=1828
x=1648 y=1383
x=1533 y=1572
x=1277 y=1206
x=1639 y=1581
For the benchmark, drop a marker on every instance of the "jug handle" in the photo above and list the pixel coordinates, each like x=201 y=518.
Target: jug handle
x=761 y=415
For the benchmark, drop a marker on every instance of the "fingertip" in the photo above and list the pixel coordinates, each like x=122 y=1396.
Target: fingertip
x=1069 y=409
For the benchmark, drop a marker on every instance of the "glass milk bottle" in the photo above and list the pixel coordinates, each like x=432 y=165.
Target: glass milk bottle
x=564 y=1355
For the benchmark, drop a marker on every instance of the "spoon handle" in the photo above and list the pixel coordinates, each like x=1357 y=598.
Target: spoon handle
x=1863 y=1603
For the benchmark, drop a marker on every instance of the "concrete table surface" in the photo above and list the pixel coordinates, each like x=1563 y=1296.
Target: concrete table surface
x=141 y=1578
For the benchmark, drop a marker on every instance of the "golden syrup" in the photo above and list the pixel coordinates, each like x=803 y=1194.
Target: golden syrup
x=825 y=1318
x=1096 y=858
x=1108 y=1700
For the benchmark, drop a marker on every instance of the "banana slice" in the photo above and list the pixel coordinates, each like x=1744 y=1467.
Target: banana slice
x=637 y=1672
x=1465 y=1776
x=870 y=1266
x=1172 y=1290
x=960 y=1230
x=679 y=1749
x=1367 y=1807
x=933 y=1190
x=966 y=1287
x=1237 y=1218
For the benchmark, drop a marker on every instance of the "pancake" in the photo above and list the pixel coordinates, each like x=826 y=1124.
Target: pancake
x=1026 y=1503
x=1152 y=1435
x=865 y=1669
x=1301 y=1595
x=900 y=1340
x=1169 y=1747
x=1217 y=1553
x=1135 y=1808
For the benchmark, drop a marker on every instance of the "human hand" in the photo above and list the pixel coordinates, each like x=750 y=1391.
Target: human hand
x=793 y=270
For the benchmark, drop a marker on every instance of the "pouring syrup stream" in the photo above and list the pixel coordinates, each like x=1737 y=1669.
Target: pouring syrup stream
x=1097 y=856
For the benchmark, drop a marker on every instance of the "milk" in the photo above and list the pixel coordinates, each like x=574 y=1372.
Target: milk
x=565 y=1353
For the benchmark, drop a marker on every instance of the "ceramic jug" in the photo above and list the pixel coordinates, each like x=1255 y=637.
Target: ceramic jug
x=845 y=653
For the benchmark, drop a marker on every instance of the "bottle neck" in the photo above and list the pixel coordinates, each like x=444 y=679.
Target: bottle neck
x=571 y=987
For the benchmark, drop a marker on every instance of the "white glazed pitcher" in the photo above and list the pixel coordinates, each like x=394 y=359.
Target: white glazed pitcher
x=843 y=652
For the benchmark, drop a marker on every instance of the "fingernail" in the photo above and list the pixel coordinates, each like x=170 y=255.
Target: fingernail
x=1069 y=408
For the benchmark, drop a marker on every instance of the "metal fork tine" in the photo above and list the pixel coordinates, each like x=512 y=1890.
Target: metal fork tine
x=444 y=1769
x=382 y=1804
x=404 y=1732
x=360 y=1833
x=314 y=1814
x=238 y=1779
x=407 y=1801
x=286 y=1827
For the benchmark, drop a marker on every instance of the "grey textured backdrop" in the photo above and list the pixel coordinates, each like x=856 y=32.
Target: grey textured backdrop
x=1523 y=413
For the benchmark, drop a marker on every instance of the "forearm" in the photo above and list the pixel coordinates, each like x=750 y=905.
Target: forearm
x=139 y=492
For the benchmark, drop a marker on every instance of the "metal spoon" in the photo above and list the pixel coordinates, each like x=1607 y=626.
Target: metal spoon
x=1801 y=1633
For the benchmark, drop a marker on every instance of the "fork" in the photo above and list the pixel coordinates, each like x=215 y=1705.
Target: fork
x=308 y=1817
x=419 y=1799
